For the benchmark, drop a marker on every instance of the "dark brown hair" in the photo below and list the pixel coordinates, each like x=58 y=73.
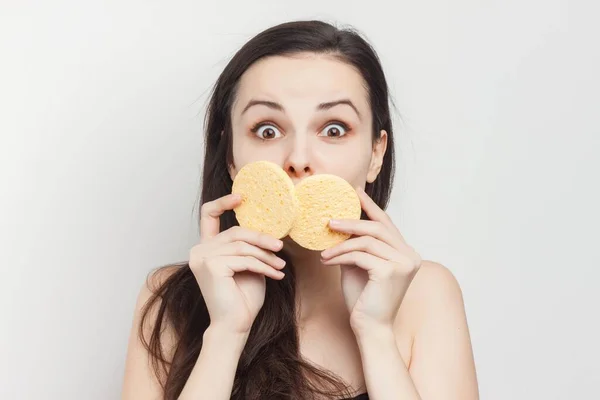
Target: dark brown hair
x=270 y=366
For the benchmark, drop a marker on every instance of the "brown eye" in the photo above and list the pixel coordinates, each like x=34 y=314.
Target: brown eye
x=266 y=132
x=334 y=130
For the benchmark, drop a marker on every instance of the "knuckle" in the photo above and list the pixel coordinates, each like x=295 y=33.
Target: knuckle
x=205 y=208
x=260 y=237
x=370 y=243
x=196 y=254
x=262 y=255
x=212 y=264
x=387 y=219
x=412 y=271
x=252 y=262
x=208 y=263
x=205 y=264
x=372 y=229
x=416 y=269
x=235 y=231
x=238 y=247
x=408 y=266
x=388 y=272
x=412 y=258
x=417 y=260
x=260 y=264
x=263 y=239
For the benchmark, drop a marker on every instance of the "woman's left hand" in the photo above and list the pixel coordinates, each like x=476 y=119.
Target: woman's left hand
x=377 y=267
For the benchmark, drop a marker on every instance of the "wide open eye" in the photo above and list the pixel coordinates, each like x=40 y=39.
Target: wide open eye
x=333 y=130
x=266 y=131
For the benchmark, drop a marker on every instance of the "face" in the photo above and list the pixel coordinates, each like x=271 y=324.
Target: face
x=309 y=114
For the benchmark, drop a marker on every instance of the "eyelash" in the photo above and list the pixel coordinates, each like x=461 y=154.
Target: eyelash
x=260 y=124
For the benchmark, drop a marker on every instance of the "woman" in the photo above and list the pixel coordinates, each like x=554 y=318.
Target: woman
x=253 y=317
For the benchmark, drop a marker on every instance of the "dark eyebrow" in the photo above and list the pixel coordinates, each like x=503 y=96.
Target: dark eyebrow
x=270 y=104
x=348 y=102
x=322 y=107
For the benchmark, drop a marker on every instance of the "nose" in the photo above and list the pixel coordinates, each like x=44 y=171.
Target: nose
x=297 y=163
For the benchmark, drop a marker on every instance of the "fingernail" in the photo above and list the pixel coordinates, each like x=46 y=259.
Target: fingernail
x=281 y=262
x=334 y=222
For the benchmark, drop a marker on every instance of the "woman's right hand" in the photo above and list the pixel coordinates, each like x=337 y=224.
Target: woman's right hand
x=231 y=266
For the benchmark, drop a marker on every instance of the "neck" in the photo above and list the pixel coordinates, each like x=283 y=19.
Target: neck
x=318 y=289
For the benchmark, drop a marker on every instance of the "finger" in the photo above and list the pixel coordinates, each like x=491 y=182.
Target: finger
x=359 y=227
x=258 y=239
x=367 y=244
x=248 y=263
x=240 y=248
x=212 y=210
x=363 y=260
x=373 y=211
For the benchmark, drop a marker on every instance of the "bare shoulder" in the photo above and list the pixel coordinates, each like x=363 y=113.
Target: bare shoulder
x=434 y=323
x=141 y=381
x=433 y=290
x=441 y=356
x=433 y=281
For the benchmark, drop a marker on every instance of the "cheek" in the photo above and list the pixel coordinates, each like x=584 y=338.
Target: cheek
x=358 y=176
x=246 y=150
x=350 y=162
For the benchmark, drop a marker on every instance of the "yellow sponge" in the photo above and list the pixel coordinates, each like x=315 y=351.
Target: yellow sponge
x=268 y=201
x=271 y=204
x=323 y=197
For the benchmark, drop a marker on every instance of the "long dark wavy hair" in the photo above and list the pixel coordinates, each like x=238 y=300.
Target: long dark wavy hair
x=270 y=366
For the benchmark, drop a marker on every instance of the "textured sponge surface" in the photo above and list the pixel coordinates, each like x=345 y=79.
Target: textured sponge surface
x=268 y=201
x=323 y=197
x=272 y=205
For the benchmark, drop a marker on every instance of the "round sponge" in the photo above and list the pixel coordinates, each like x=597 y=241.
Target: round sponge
x=323 y=197
x=268 y=202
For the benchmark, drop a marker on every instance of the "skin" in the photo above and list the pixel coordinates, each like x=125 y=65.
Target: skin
x=370 y=309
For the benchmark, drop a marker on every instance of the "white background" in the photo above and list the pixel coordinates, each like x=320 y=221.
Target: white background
x=101 y=107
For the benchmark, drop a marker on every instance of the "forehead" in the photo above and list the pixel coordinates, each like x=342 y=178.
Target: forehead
x=302 y=77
